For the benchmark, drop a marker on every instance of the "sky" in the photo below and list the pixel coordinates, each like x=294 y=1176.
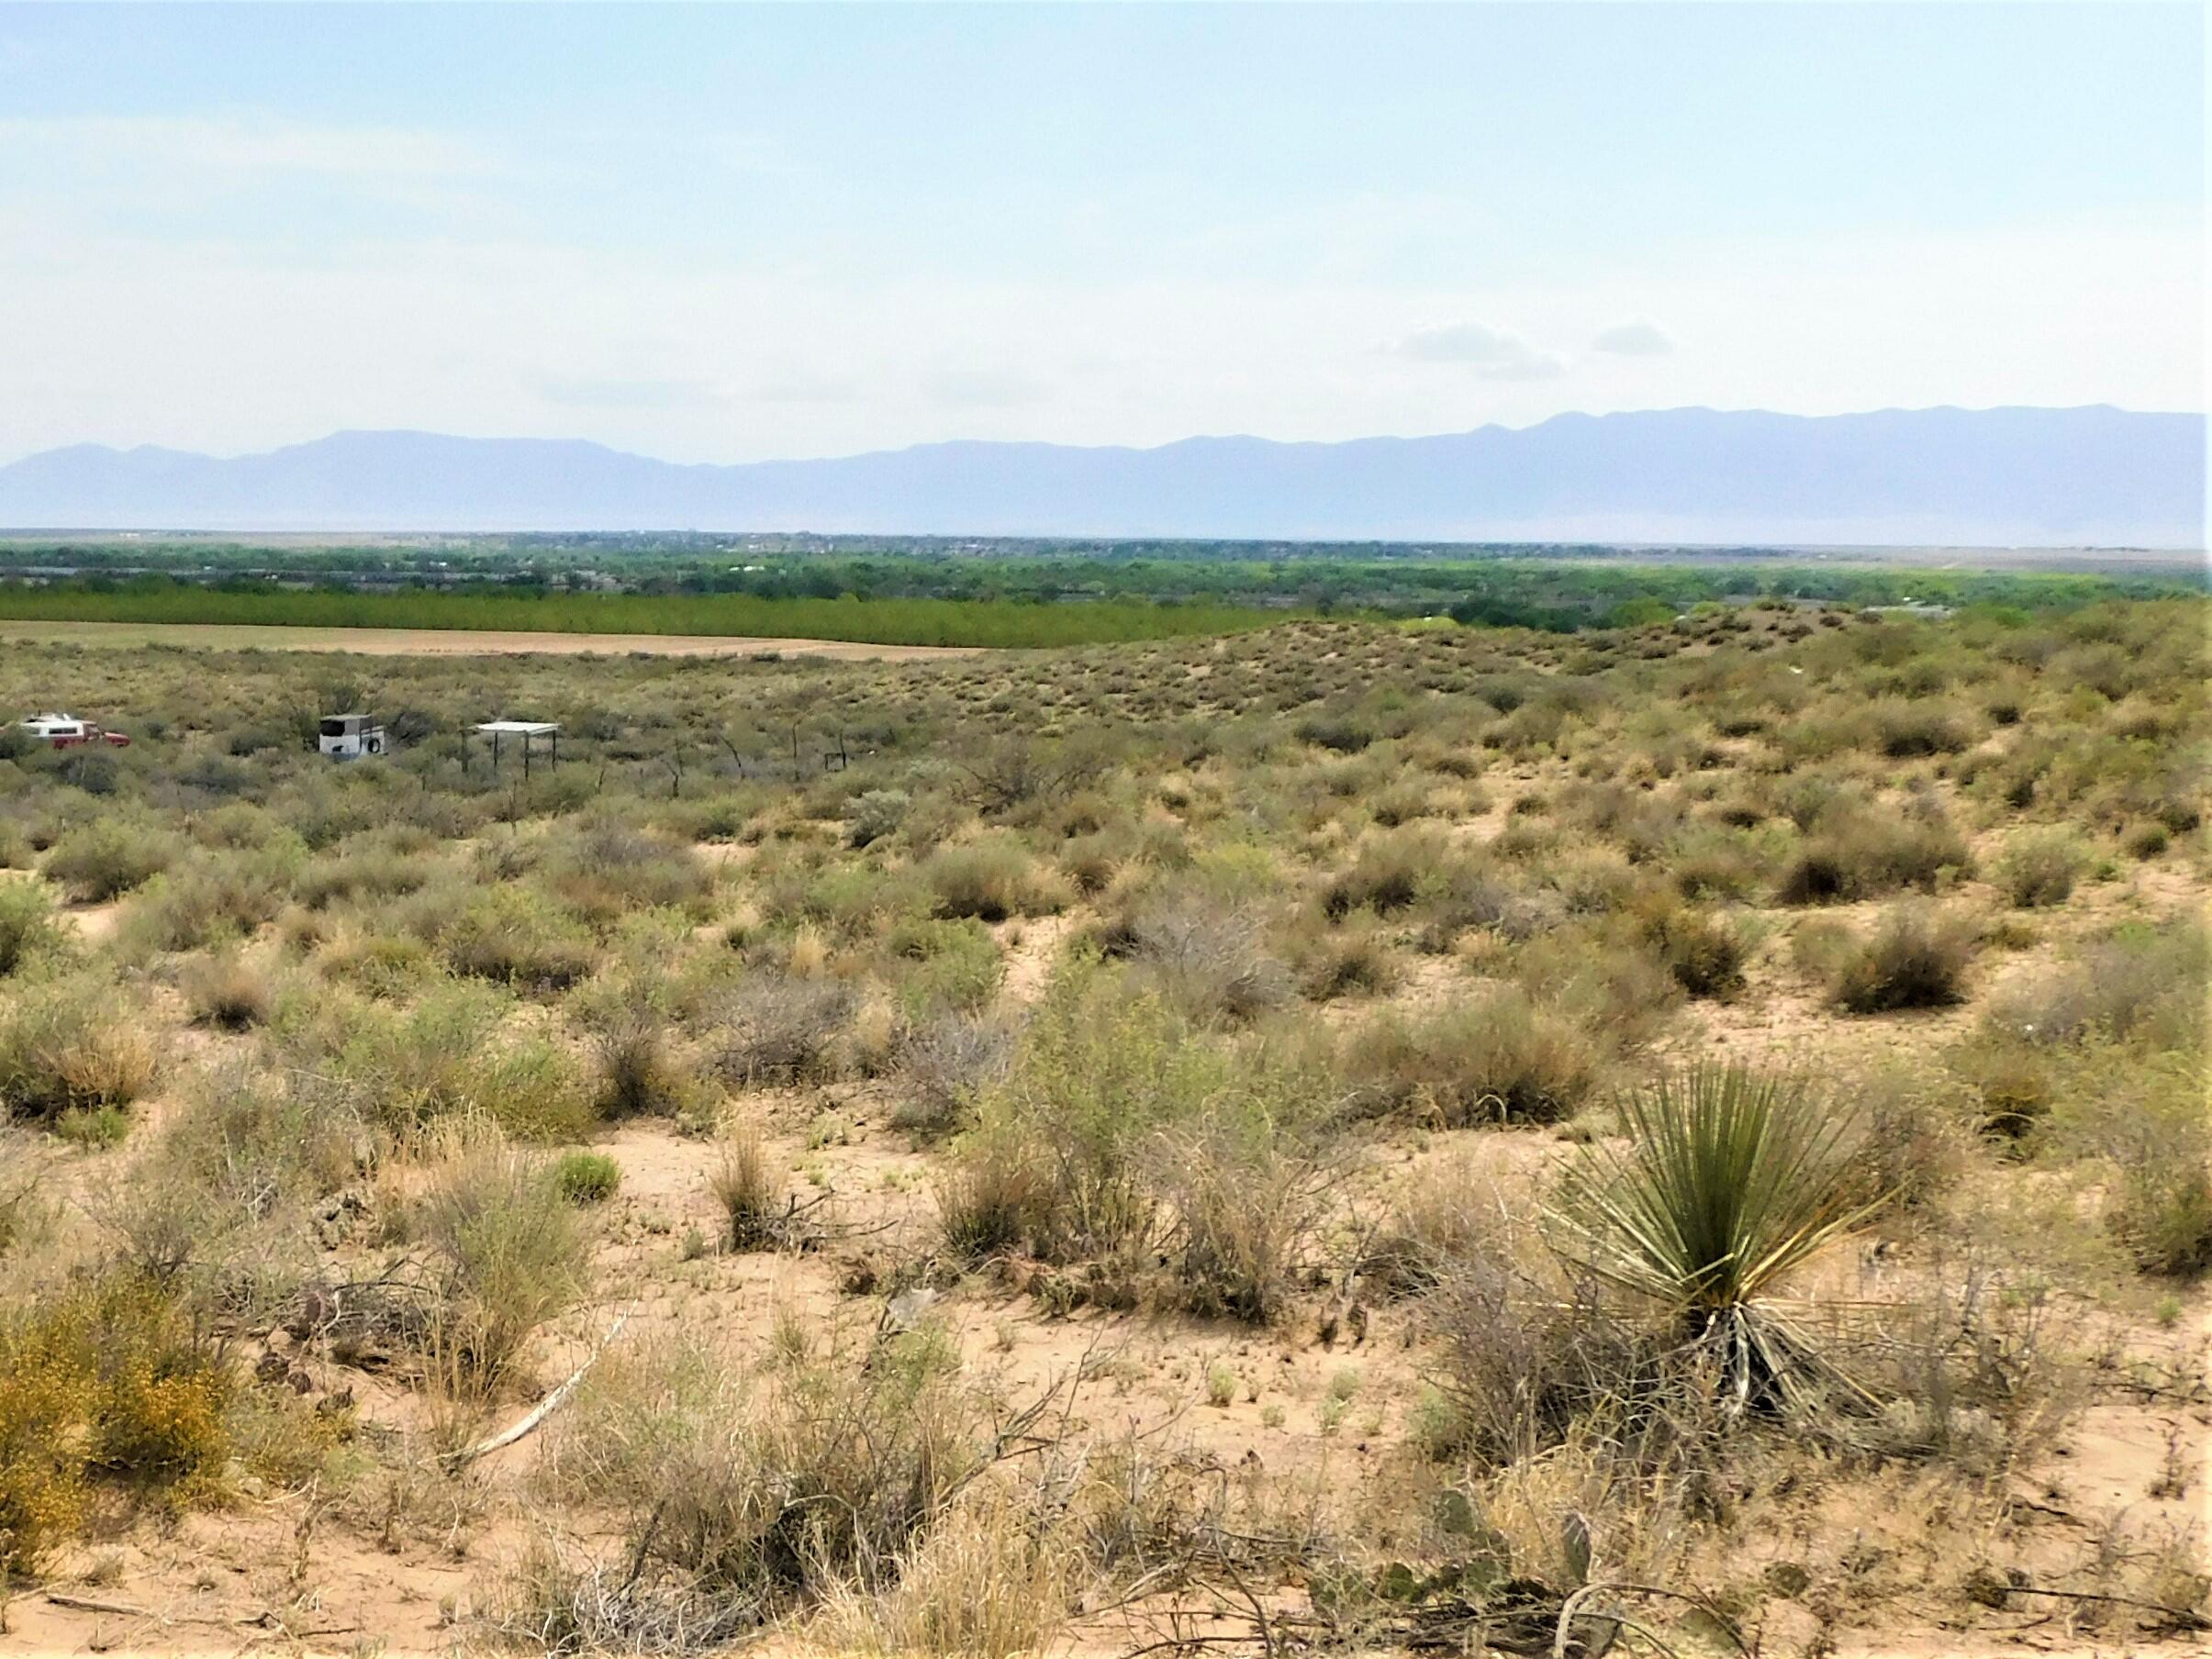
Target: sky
x=732 y=233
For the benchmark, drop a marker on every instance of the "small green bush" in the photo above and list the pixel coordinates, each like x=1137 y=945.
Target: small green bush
x=1119 y=1133
x=2161 y=1209
x=874 y=814
x=990 y=880
x=2146 y=840
x=2039 y=867
x=28 y=929
x=1390 y=873
x=1339 y=733
x=956 y=965
x=212 y=897
x=602 y=867
x=449 y=1055
x=584 y=1177
x=109 y=857
x=627 y=1020
x=105 y=1380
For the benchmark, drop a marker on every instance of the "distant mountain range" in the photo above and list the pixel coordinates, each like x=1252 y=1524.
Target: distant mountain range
x=2094 y=476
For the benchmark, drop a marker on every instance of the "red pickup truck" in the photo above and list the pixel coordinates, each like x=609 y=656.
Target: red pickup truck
x=66 y=731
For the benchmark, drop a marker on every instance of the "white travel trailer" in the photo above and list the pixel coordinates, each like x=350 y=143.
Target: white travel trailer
x=347 y=736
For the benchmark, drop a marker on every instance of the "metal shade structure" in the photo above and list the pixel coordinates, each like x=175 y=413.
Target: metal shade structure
x=528 y=732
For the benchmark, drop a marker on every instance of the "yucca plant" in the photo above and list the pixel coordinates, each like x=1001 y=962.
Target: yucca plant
x=1729 y=1178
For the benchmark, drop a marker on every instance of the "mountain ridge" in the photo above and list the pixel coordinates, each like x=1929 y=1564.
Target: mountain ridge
x=2092 y=475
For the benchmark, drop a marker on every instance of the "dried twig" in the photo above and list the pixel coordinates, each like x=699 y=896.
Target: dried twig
x=2181 y=1618
x=544 y=1408
x=87 y=1604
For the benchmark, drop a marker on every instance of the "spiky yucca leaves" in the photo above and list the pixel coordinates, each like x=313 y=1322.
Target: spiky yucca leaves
x=1729 y=1179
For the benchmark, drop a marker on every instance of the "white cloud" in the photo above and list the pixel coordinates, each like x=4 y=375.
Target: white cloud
x=136 y=333
x=969 y=387
x=805 y=385
x=1640 y=338
x=624 y=393
x=238 y=144
x=1492 y=353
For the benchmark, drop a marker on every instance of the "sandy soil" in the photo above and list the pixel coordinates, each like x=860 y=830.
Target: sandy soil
x=455 y=643
x=282 y=1573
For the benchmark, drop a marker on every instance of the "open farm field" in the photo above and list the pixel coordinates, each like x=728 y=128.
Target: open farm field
x=450 y=642
x=883 y=622
x=1686 y=1139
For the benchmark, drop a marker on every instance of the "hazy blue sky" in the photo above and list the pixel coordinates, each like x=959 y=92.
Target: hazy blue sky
x=730 y=233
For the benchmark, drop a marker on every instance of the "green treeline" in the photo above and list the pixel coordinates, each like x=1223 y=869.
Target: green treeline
x=939 y=599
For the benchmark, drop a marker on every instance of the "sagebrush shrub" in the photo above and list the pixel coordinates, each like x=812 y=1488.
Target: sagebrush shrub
x=1705 y=954
x=1073 y=1156
x=945 y=1064
x=209 y=899
x=602 y=866
x=1899 y=728
x=76 y=1040
x=627 y=1020
x=990 y=880
x=753 y=1207
x=1388 y=875
x=228 y=990
x=109 y=857
x=2160 y=1209
x=1494 y=1057
x=27 y=926
x=1855 y=854
x=2039 y=867
x=508 y=1254
x=745 y=1500
x=957 y=966
x=1913 y=959
x=450 y=1054
x=2140 y=983
x=1209 y=959
x=874 y=814
x=769 y=1027
x=518 y=936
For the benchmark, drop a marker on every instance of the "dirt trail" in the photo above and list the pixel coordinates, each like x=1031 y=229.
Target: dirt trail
x=456 y=643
